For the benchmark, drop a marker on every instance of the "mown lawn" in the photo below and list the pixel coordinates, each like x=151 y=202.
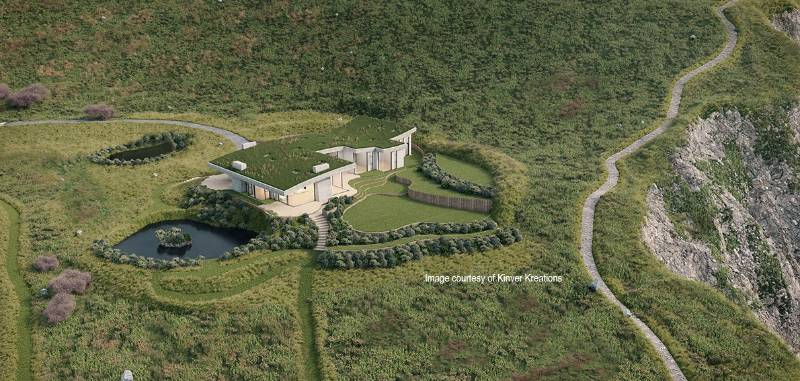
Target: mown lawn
x=464 y=170
x=380 y=213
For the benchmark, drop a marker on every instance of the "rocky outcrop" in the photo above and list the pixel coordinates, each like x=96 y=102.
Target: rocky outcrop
x=789 y=23
x=751 y=248
x=691 y=259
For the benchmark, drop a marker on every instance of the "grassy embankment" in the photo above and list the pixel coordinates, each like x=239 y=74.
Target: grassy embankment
x=710 y=336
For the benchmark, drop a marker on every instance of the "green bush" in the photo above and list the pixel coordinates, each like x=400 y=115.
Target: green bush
x=223 y=209
x=285 y=233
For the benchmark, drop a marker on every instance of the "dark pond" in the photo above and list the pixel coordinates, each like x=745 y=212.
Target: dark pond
x=144 y=152
x=207 y=240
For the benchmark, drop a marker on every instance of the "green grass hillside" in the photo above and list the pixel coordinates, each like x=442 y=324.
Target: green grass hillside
x=556 y=85
x=702 y=327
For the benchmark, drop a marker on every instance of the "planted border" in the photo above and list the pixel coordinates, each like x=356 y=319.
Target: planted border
x=397 y=255
x=431 y=169
x=510 y=176
x=472 y=204
x=175 y=140
x=342 y=233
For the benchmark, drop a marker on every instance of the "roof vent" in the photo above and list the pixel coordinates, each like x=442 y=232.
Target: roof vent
x=320 y=167
x=239 y=165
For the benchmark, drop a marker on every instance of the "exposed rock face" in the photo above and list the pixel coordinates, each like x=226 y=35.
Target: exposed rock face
x=789 y=23
x=754 y=253
x=691 y=259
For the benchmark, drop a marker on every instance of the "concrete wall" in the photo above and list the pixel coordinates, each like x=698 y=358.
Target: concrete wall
x=322 y=190
x=300 y=197
x=361 y=162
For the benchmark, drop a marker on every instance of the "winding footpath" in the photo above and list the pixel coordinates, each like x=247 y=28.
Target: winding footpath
x=238 y=140
x=587 y=222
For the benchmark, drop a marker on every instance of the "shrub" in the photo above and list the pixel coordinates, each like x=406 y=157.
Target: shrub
x=28 y=96
x=284 y=233
x=71 y=281
x=99 y=112
x=223 y=209
x=44 y=263
x=5 y=91
x=59 y=308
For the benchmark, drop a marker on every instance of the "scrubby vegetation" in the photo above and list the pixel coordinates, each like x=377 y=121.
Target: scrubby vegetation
x=45 y=263
x=283 y=234
x=71 y=281
x=709 y=335
x=99 y=111
x=397 y=255
x=224 y=209
x=173 y=237
x=26 y=97
x=431 y=169
x=147 y=149
x=59 y=308
x=5 y=91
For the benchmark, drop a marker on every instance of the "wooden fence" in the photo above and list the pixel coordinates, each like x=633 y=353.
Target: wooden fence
x=473 y=204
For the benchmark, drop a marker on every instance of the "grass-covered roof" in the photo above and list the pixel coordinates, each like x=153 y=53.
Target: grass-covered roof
x=283 y=163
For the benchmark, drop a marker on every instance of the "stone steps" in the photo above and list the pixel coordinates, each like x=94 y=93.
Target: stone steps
x=321 y=221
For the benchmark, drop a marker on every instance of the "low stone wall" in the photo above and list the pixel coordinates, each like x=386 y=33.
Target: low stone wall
x=472 y=204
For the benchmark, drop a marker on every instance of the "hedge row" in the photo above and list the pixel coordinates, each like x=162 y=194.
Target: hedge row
x=509 y=175
x=177 y=141
x=342 y=233
x=103 y=249
x=397 y=255
x=431 y=169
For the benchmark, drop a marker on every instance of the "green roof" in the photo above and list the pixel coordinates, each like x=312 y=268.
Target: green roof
x=284 y=163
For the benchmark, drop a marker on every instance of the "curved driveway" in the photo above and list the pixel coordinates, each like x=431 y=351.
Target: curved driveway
x=587 y=222
x=237 y=140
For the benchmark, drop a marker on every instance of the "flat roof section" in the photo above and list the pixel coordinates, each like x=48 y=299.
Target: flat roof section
x=286 y=162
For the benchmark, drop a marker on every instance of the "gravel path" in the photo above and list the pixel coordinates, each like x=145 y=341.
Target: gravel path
x=238 y=140
x=587 y=222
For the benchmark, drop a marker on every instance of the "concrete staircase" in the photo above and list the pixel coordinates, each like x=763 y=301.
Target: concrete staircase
x=322 y=223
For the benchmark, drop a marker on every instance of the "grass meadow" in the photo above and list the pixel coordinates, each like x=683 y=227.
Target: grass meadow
x=556 y=85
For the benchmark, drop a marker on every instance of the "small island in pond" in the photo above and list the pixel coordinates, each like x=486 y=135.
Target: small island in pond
x=173 y=237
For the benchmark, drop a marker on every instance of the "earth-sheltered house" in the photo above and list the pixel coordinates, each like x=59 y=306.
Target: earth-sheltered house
x=314 y=167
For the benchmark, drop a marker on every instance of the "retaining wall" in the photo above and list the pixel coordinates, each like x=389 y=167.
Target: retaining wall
x=472 y=204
